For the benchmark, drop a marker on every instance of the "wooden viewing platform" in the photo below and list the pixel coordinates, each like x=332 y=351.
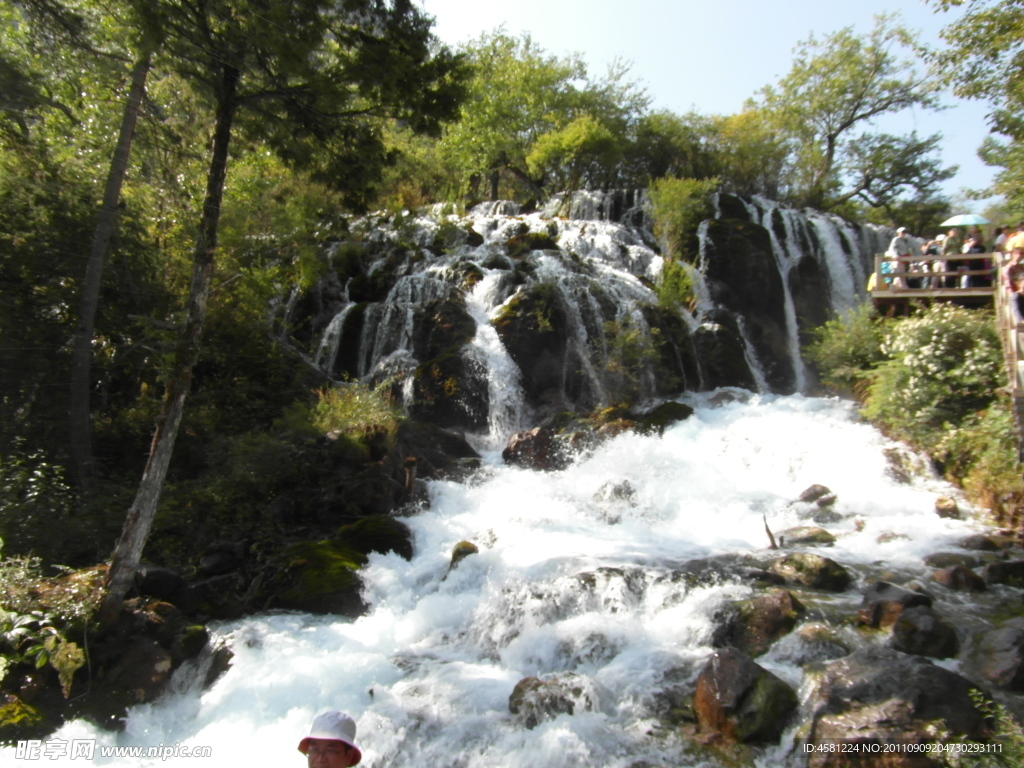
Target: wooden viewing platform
x=892 y=292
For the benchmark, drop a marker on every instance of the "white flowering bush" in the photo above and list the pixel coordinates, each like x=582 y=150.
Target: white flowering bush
x=941 y=365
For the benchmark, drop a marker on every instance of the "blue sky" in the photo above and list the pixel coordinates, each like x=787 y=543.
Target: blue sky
x=711 y=56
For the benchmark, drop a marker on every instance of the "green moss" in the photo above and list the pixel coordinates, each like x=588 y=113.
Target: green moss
x=461 y=551
x=765 y=710
x=19 y=720
x=324 y=577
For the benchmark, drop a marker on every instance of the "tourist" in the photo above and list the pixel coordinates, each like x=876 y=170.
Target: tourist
x=1015 y=278
x=953 y=243
x=331 y=741
x=901 y=246
x=1016 y=240
x=974 y=244
x=1001 y=236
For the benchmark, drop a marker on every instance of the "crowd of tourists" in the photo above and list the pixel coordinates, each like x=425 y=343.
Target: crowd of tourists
x=949 y=262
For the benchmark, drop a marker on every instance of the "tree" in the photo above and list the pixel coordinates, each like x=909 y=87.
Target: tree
x=836 y=88
x=985 y=60
x=301 y=75
x=518 y=94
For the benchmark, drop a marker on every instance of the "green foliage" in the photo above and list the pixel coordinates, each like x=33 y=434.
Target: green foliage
x=525 y=103
x=356 y=410
x=36 y=502
x=679 y=207
x=837 y=87
x=941 y=365
x=628 y=354
x=846 y=349
x=934 y=380
x=1008 y=736
x=676 y=286
x=982 y=454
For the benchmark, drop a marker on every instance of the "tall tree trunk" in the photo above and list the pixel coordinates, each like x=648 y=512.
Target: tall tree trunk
x=80 y=429
x=139 y=520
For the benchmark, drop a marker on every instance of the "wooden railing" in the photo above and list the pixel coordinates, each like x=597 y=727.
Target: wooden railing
x=931 y=276
x=1011 y=333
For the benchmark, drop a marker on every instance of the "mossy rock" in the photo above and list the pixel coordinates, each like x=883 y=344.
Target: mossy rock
x=378 y=533
x=320 y=577
x=461 y=551
x=20 y=720
x=806 y=536
x=532 y=326
x=813 y=571
x=520 y=245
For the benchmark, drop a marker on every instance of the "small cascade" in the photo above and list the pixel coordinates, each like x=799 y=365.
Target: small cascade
x=846 y=274
x=327 y=350
x=623 y=206
x=785 y=258
x=506 y=401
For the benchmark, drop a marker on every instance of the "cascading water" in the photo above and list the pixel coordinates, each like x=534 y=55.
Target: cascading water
x=580 y=578
x=786 y=257
x=507 y=404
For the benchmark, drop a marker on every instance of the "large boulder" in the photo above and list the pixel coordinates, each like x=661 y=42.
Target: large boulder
x=997 y=655
x=884 y=602
x=753 y=625
x=741 y=701
x=531 y=448
x=920 y=630
x=811 y=570
x=318 y=577
x=535 y=700
x=880 y=696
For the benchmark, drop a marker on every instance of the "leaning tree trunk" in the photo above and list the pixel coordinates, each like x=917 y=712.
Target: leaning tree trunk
x=139 y=520
x=80 y=428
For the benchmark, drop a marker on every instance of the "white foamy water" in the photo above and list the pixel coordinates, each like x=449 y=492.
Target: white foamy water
x=576 y=574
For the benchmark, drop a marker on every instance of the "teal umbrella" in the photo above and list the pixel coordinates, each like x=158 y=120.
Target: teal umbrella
x=965 y=220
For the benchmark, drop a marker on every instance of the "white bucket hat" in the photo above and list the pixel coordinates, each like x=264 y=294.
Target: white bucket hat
x=333 y=725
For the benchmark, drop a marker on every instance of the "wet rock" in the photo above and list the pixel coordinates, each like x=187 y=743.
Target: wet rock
x=663 y=416
x=959 y=578
x=815 y=492
x=979 y=542
x=753 y=625
x=719 y=345
x=882 y=696
x=159 y=582
x=740 y=700
x=997 y=655
x=947 y=508
x=811 y=570
x=884 y=602
x=318 y=577
x=535 y=700
x=530 y=449
x=921 y=631
x=806 y=536
x=20 y=720
x=221 y=557
x=378 y=533
x=1005 y=572
x=950 y=559
x=461 y=551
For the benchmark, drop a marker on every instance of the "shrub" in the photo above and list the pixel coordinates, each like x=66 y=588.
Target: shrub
x=941 y=365
x=846 y=349
x=679 y=207
x=355 y=410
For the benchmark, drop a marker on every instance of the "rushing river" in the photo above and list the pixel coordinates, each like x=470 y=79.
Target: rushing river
x=427 y=673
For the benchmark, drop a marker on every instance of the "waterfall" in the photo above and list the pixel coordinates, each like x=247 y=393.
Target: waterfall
x=585 y=575
x=327 y=350
x=785 y=257
x=506 y=402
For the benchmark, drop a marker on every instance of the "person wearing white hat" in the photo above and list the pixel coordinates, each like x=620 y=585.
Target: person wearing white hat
x=331 y=741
